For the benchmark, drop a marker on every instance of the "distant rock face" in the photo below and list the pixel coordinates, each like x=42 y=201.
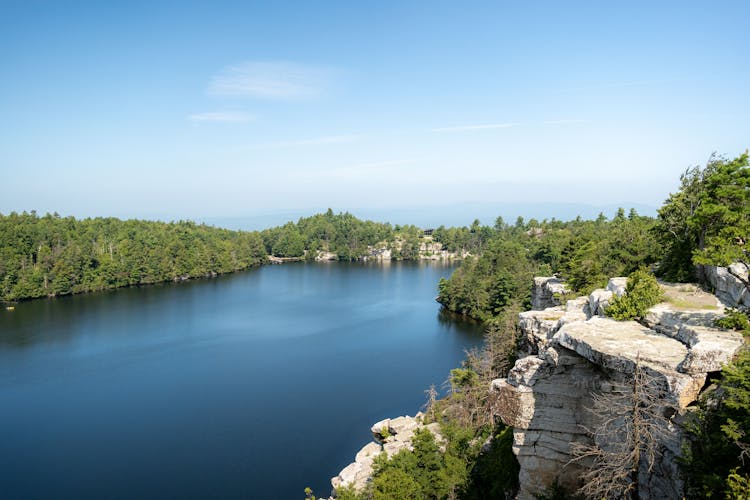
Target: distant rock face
x=546 y=292
x=727 y=288
x=390 y=436
x=575 y=352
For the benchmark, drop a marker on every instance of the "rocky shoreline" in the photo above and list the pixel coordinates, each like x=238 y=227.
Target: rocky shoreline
x=389 y=436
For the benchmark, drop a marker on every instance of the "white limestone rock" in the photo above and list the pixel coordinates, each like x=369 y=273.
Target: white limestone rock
x=368 y=452
x=667 y=319
x=381 y=430
x=578 y=353
x=538 y=327
x=403 y=424
x=710 y=348
x=391 y=435
x=546 y=292
x=599 y=300
x=617 y=344
x=617 y=286
x=727 y=288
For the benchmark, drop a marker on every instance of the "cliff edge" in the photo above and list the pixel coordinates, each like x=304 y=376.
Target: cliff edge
x=571 y=352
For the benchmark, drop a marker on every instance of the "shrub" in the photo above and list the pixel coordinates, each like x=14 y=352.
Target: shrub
x=642 y=292
x=734 y=320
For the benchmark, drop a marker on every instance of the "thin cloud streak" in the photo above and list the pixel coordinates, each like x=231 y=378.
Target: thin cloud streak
x=270 y=80
x=474 y=127
x=222 y=116
x=315 y=141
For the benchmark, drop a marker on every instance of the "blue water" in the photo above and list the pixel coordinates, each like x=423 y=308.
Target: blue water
x=252 y=385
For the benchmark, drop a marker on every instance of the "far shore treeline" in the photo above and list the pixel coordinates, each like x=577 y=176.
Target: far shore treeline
x=50 y=255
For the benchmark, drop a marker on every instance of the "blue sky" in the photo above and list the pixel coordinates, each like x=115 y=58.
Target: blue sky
x=216 y=109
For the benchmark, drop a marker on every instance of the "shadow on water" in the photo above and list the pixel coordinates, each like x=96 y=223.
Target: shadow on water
x=459 y=322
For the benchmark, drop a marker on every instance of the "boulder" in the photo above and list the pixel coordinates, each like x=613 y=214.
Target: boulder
x=727 y=288
x=400 y=425
x=666 y=319
x=546 y=292
x=538 y=327
x=368 y=452
x=599 y=301
x=381 y=430
x=710 y=348
x=355 y=474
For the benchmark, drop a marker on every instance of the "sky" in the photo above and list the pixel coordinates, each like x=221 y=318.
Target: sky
x=189 y=110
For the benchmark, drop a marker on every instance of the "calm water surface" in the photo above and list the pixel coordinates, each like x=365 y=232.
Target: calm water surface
x=253 y=385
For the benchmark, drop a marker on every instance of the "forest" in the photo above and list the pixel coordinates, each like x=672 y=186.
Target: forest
x=48 y=256
x=52 y=255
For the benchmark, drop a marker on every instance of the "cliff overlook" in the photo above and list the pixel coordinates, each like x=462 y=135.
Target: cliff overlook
x=572 y=354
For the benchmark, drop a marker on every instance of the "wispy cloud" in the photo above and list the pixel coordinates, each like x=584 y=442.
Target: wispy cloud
x=564 y=122
x=222 y=116
x=314 y=141
x=270 y=80
x=474 y=127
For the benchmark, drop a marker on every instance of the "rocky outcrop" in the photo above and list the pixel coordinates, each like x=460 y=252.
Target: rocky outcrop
x=547 y=292
x=322 y=256
x=574 y=352
x=728 y=288
x=390 y=436
x=538 y=327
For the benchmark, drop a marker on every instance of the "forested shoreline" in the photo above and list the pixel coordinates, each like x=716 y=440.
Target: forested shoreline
x=50 y=255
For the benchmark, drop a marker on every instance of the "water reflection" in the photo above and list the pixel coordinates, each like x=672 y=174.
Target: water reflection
x=254 y=384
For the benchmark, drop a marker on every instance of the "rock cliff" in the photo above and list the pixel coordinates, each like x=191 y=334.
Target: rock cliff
x=569 y=352
x=390 y=436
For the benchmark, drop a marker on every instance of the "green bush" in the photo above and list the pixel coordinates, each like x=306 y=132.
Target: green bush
x=715 y=461
x=348 y=493
x=495 y=473
x=734 y=320
x=642 y=292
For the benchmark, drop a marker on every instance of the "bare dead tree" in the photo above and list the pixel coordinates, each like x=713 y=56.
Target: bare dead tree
x=630 y=427
x=429 y=406
x=471 y=401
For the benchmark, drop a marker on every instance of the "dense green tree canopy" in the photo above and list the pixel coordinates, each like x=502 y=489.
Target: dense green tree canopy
x=50 y=255
x=585 y=253
x=708 y=220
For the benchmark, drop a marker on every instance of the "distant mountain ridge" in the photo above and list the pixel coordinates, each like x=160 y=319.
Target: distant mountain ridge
x=434 y=216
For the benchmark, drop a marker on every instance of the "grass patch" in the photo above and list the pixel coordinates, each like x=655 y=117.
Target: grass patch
x=690 y=304
x=551 y=318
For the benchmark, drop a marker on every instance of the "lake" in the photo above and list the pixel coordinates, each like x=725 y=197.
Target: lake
x=251 y=385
